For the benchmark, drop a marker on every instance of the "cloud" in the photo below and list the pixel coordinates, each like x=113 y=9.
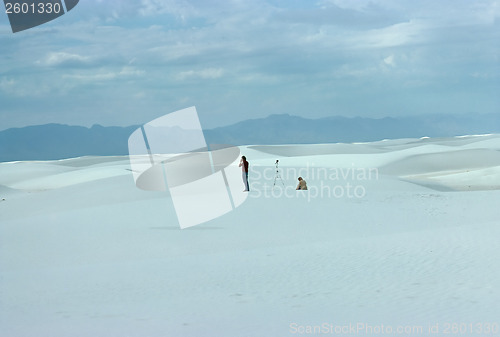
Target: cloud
x=389 y=60
x=7 y=84
x=55 y=59
x=105 y=75
x=402 y=34
x=356 y=72
x=26 y=88
x=209 y=73
x=367 y=17
x=338 y=53
x=180 y=9
x=118 y=11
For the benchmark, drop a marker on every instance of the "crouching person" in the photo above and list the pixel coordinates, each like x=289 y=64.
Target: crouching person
x=302 y=184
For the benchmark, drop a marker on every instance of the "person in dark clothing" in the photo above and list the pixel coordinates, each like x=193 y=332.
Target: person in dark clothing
x=244 y=172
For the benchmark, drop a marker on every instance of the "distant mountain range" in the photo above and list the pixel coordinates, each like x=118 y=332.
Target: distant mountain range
x=56 y=141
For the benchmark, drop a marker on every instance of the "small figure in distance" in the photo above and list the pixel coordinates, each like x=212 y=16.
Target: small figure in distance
x=244 y=172
x=302 y=184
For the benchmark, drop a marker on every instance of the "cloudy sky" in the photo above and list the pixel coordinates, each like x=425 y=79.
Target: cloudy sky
x=125 y=62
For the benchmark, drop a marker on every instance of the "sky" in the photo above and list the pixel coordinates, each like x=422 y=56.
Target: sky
x=126 y=62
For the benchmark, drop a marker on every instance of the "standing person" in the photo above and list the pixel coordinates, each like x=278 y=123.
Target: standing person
x=244 y=172
x=302 y=184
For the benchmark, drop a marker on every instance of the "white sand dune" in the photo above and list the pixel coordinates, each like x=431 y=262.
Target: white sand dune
x=36 y=176
x=83 y=252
